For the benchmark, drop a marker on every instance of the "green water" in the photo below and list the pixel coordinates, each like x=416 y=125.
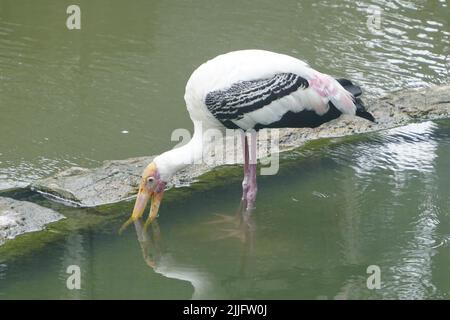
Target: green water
x=69 y=97
x=318 y=225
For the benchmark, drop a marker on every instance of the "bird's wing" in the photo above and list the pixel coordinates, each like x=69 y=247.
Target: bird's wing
x=232 y=104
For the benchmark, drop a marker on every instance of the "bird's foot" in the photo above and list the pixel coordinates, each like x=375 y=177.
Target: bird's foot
x=230 y=233
x=227 y=226
x=234 y=226
x=127 y=223
x=222 y=219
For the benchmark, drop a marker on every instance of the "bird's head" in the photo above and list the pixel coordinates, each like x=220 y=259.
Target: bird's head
x=151 y=187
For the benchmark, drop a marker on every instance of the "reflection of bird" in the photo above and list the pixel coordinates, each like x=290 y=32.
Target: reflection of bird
x=163 y=263
x=248 y=90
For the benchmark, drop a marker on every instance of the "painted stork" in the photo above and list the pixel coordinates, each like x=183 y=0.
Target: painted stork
x=248 y=90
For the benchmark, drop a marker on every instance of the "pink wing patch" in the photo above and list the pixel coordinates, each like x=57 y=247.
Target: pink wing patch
x=323 y=85
x=328 y=88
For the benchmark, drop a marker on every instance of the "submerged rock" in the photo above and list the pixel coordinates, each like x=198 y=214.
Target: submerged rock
x=19 y=217
x=118 y=180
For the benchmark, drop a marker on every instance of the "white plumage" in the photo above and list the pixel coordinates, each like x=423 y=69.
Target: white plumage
x=227 y=69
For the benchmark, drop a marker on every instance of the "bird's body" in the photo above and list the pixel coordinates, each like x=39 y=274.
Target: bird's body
x=224 y=71
x=251 y=90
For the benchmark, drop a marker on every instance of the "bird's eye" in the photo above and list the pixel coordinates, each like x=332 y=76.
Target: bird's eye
x=150 y=179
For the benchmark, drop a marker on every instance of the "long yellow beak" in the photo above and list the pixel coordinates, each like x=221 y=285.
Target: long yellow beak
x=154 y=208
x=140 y=205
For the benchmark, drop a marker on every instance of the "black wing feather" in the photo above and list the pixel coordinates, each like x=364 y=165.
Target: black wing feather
x=247 y=96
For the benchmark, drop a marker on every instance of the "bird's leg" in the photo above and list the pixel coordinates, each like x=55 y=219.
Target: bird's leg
x=252 y=187
x=243 y=224
x=245 y=182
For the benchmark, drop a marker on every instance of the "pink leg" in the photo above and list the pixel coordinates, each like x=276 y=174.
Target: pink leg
x=244 y=213
x=251 y=185
x=245 y=182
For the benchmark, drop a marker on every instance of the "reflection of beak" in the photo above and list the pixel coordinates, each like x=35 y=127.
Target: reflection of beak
x=150 y=242
x=154 y=208
x=141 y=203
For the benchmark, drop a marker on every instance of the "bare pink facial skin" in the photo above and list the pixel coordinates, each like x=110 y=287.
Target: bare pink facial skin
x=160 y=185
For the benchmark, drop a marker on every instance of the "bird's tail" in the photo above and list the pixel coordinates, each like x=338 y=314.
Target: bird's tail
x=356 y=93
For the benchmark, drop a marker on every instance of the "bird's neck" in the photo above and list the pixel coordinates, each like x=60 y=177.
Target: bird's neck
x=169 y=162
